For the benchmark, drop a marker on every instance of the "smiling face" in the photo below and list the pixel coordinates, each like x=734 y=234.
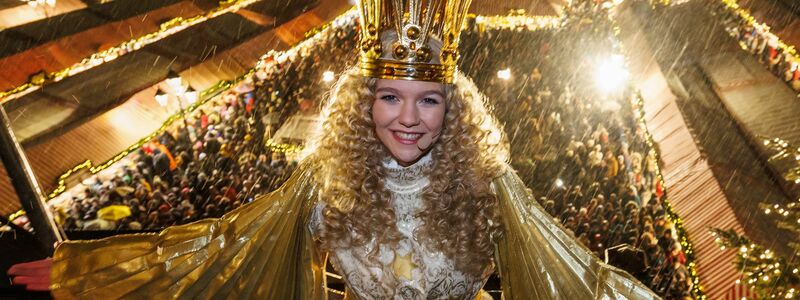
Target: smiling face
x=406 y=114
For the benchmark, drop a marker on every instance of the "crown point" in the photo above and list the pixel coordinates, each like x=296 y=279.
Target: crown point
x=365 y=45
x=413 y=32
x=400 y=51
x=424 y=54
x=411 y=57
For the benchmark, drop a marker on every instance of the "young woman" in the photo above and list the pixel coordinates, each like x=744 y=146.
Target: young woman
x=409 y=209
x=406 y=190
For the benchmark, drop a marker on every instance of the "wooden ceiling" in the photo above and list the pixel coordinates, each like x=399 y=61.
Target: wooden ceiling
x=78 y=102
x=219 y=49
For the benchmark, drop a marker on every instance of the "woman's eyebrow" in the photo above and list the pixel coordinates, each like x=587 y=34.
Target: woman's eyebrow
x=437 y=92
x=387 y=89
x=396 y=91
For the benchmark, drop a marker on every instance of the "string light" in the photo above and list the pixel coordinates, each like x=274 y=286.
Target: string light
x=313 y=35
x=203 y=97
x=518 y=21
x=785 y=158
x=559 y=183
x=762 y=269
x=166 y=29
x=37 y=3
x=683 y=235
x=283 y=148
x=328 y=76
x=734 y=9
x=178 y=24
x=504 y=74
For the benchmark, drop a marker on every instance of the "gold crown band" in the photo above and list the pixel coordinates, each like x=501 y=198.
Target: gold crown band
x=411 y=54
x=392 y=69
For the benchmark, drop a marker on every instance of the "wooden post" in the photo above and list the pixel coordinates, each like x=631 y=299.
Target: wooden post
x=27 y=188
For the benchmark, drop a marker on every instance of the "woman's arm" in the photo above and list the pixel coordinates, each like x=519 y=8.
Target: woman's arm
x=538 y=259
x=260 y=250
x=35 y=275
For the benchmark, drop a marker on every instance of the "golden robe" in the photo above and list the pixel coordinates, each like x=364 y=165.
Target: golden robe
x=264 y=250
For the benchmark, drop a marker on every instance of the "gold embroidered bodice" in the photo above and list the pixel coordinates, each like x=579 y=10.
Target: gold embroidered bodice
x=409 y=270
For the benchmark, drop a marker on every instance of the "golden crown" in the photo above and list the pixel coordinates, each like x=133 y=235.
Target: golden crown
x=415 y=23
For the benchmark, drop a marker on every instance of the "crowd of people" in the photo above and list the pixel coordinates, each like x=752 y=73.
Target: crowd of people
x=761 y=43
x=216 y=160
x=582 y=153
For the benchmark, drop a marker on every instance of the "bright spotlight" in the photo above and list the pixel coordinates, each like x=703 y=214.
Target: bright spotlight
x=504 y=74
x=611 y=74
x=174 y=80
x=190 y=95
x=161 y=98
x=327 y=76
x=559 y=183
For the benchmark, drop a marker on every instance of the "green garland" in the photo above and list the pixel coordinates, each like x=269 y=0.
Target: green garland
x=166 y=29
x=734 y=8
x=784 y=154
x=203 y=97
x=769 y=275
x=680 y=230
x=682 y=233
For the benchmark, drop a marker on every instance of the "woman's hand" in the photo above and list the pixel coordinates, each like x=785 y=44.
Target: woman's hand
x=35 y=275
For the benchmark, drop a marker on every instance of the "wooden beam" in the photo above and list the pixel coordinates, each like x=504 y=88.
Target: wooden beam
x=27 y=187
x=70 y=103
x=258 y=18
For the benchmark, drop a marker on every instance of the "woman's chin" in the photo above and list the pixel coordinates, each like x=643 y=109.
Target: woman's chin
x=407 y=158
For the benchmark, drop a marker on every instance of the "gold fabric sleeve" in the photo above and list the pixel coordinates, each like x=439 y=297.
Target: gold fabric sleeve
x=538 y=259
x=263 y=250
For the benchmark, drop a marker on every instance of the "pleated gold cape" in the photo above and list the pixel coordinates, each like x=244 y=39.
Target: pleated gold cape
x=264 y=250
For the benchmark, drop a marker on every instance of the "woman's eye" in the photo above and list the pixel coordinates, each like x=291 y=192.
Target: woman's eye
x=430 y=101
x=390 y=98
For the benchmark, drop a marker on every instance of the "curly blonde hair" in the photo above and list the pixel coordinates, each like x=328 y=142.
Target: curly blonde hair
x=460 y=214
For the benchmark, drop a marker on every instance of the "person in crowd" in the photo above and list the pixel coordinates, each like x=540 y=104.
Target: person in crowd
x=763 y=44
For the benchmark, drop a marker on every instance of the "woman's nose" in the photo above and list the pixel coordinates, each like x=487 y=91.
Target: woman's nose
x=409 y=114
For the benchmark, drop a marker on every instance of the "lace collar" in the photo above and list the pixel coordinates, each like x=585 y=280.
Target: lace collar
x=413 y=178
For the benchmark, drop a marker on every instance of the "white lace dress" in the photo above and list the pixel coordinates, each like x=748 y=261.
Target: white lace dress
x=410 y=270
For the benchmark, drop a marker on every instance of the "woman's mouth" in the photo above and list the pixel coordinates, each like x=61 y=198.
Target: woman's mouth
x=406 y=138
